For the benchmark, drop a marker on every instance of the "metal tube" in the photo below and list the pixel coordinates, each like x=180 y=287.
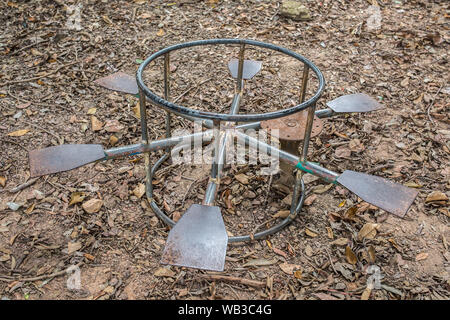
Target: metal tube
x=219 y=160
x=235 y=103
x=324 y=113
x=309 y=167
x=308 y=129
x=304 y=83
x=239 y=81
x=167 y=90
x=156 y=145
x=143 y=111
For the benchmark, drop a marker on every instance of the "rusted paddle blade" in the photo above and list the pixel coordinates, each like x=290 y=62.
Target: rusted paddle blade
x=358 y=102
x=198 y=240
x=251 y=68
x=119 y=81
x=64 y=157
x=387 y=195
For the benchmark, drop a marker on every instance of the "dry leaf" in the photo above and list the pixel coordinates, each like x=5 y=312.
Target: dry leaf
x=280 y=252
x=30 y=208
x=93 y=205
x=368 y=231
x=113 y=126
x=89 y=256
x=76 y=197
x=289 y=268
x=394 y=244
x=18 y=133
x=113 y=140
x=371 y=252
x=282 y=214
x=160 y=33
x=242 y=178
x=24 y=105
x=96 y=124
x=137 y=110
x=366 y=294
x=340 y=242
x=92 y=111
x=329 y=232
x=350 y=255
x=342 y=152
x=164 y=272
x=310 y=200
x=322 y=189
x=73 y=246
x=310 y=233
x=436 y=196
x=3 y=181
x=355 y=145
x=309 y=251
x=298 y=274
x=421 y=256
x=139 y=190
x=350 y=214
x=176 y=216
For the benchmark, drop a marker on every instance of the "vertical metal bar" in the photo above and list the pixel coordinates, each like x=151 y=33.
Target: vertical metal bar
x=240 y=83
x=309 y=124
x=167 y=90
x=307 y=137
x=304 y=83
x=143 y=111
x=148 y=167
x=215 y=164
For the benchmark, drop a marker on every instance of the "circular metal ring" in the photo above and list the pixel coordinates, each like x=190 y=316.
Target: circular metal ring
x=178 y=109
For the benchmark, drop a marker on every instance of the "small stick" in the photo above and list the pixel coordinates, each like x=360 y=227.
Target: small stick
x=331 y=260
x=23 y=185
x=29 y=46
x=38 y=77
x=45 y=130
x=247 y=282
x=45 y=276
x=383 y=166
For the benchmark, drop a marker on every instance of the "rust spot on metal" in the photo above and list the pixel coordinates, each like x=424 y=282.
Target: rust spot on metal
x=64 y=157
x=119 y=81
x=387 y=195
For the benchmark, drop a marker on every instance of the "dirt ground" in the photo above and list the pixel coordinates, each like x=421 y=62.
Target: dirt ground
x=47 y=97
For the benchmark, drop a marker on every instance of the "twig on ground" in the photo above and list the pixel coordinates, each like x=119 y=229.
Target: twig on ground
x=45 y=276
x=28 y=47
x=38 y=77
x=23 y=185
x=247 y=282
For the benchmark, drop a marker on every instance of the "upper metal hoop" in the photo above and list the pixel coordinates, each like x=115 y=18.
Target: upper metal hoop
x=178 y=109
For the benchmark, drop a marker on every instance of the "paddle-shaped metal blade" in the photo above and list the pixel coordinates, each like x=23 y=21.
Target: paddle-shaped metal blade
x=198 y=240
x=119 y=81
x=64 y=157
x=250 y=69
x=358 y=102
x=387 y=195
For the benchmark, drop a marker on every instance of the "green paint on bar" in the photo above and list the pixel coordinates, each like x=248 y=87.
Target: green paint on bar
x=302 y=167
